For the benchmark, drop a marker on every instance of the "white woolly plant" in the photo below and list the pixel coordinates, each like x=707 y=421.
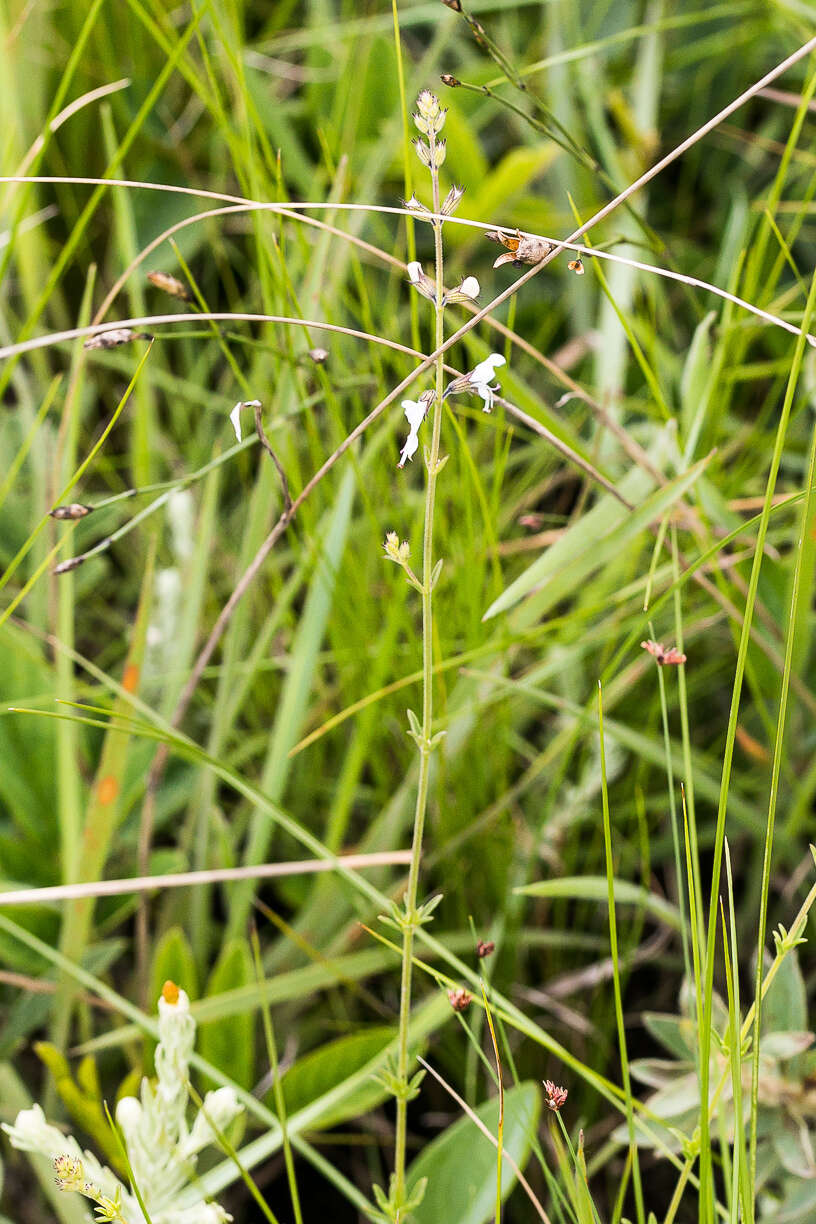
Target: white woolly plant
x=162 y=1148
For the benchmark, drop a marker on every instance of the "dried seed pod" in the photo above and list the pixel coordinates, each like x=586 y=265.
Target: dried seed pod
x=447 y=78
x=451 y=201
x=169 y=284
x=115 y=337
x=75 y=510
x=415 y=205
x=521 y=249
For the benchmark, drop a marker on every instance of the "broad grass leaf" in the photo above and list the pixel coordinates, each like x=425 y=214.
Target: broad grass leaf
x=230 y=1044
x=323 y=1069
x=785 y=1006
x=559 y=571
x=658 y=1072
x=511 y=178
x=460 y=1164
x=173 y=960
x=677 y=1034
x=594 y=888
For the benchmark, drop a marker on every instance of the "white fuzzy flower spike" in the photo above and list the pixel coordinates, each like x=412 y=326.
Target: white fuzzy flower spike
x=161 y=1146
x=479 y=381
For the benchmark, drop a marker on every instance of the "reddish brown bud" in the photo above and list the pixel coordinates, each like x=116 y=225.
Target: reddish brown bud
x=459 y=999
x=484 y=949
x=664 y=655
x=448 y=79
x=556 y=1097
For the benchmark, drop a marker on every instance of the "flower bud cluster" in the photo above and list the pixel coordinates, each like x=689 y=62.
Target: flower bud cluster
x=429 y=119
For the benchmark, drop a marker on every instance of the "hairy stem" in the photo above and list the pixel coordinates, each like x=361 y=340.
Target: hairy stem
x=432 y=461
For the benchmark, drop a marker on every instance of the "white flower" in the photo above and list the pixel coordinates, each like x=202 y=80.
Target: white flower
x=235 y=415
x=219 y=1109
x=414 y=414
x=161 y=1146
x=479 y=380
x=414 y=271
x=470 y=287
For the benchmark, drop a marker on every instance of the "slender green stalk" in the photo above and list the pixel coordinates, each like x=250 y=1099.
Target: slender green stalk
x=500 y=1135
x=706 y=1186
x=805 y=524
x=678 y=865
x=277 y=1086
x=424 y=739
x=613 y=948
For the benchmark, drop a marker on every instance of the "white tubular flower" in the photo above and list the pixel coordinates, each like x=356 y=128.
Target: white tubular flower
x=31 y=1133
x=467 y=291
x=415 y=413
x=479 y=381
x=421 y=281
x=220 y=1107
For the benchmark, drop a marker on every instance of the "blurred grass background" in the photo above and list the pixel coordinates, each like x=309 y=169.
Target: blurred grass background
x=301 y=102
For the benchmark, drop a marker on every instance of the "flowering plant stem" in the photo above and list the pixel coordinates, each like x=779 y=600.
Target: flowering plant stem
x=425 y=749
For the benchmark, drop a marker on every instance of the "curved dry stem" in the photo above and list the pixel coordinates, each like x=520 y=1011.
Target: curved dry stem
x=558 y=245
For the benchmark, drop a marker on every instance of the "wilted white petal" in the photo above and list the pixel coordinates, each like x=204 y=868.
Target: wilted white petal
x=470 y=287
x=414 y=271
x=235 y=419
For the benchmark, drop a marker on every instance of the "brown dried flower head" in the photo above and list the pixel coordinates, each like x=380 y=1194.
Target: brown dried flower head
x=664 y=655
x=74 y=510
x=576 y=266
x=556 y=1097
x=459 y=999
x=447 y=78
x=521 y=249
x=115 y=337
x=484 y=949
x=169 y=284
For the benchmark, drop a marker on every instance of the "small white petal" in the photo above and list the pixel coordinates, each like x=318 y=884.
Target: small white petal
x=409 y=449
x=414 y=271
x=235 y=418
x=470 y=286
x=414 y=413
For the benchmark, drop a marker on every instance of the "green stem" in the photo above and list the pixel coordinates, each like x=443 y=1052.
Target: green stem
x=432 y=462
x=806 y=520
x=706 y=1174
